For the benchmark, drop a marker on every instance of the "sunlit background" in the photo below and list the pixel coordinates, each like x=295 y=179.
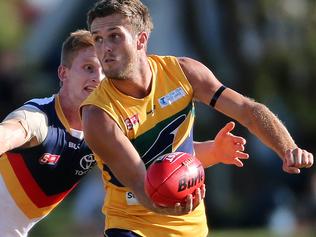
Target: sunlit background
x=265 y=49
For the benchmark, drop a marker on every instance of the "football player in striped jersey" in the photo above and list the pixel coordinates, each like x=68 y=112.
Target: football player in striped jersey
x=43 y=153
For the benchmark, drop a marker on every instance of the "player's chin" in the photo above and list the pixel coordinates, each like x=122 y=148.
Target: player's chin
x=83 y=95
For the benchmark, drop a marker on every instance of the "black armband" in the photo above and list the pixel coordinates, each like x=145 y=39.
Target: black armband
x=217 y=95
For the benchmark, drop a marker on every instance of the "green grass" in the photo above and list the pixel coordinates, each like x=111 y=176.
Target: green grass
x=256 y=233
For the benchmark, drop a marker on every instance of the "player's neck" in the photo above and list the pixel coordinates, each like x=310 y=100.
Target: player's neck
x=138 y=83
x=71 y=111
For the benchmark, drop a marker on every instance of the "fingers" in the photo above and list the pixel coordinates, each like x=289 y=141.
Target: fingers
x=203 y=191
x=307 y=159
x=240 y=155
x=239 y=147
x=234 y=154
x=238 y=162
x=189 y=204
x=178 y=208
x=239 y=140
x=297 y=158
x=197 y=197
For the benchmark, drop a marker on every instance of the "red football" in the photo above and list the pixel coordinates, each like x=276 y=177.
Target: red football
x=172 y=177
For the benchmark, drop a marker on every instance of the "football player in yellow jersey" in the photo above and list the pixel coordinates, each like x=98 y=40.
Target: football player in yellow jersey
x=145 y=109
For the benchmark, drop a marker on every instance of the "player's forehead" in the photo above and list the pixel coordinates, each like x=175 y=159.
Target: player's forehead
x=109 y=23
x=86 y=55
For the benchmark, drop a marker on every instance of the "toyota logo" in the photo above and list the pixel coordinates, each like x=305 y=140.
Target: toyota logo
x=87 y=161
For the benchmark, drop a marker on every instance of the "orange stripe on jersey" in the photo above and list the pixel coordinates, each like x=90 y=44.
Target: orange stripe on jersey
x=17 y=192
x=31 y=188
x=61 y=114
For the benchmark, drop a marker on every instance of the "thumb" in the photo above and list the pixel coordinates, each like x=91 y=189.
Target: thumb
x=227 y=128
x=290 y=170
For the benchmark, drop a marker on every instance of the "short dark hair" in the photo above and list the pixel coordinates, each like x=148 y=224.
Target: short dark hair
x=136 y=12
x=77 y=40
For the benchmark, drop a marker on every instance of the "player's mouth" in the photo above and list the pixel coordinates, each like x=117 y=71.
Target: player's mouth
x=109 y=58
x=89 y=88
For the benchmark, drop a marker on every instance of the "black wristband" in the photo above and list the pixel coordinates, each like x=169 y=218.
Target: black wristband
x=217 y=95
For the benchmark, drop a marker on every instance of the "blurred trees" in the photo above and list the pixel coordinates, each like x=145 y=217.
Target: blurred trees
x=270 y=49
x=264 y=49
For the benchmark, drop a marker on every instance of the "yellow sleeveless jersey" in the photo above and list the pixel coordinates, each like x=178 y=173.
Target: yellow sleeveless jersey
x=161 y=122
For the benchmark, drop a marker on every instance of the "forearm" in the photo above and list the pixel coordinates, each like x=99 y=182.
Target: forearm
x=109 y=143
x=269 y=129
x=125 y=164
x=204 y=151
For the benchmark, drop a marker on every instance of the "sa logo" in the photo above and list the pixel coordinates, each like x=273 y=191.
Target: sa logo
x=49 y=159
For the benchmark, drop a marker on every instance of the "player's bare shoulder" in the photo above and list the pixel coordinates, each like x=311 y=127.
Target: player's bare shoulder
x=190 y=66
x=201 y=78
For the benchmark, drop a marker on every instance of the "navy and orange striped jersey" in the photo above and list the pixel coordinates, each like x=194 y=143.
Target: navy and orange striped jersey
x=39 y=177
x=157 y=124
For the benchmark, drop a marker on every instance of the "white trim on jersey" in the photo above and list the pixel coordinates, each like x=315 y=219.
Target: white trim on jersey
x=13 y=222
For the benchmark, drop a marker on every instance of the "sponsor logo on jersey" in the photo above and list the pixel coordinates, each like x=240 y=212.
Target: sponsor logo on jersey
x=73 y=145
x=132 y=121
x=86 y=162
x=49 y=159
x=171 y=97
x=131 y=199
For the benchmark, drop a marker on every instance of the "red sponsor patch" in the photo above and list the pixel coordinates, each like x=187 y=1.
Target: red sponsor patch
x=49 y=159
x=132 y=121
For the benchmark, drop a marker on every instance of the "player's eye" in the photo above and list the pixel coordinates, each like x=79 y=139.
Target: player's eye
x=98 y=39
x=115 y=37
x=89 y=68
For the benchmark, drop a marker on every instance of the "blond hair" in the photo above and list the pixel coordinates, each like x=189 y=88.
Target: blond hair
x=77 y=40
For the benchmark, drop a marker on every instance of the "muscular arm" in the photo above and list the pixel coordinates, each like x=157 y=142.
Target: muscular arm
x=255 y=116
x=107 y=140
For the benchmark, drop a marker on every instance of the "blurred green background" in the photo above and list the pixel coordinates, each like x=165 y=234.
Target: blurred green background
x=265 y=49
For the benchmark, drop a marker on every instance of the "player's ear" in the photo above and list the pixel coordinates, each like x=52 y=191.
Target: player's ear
x=62 y=72
x=142 y=40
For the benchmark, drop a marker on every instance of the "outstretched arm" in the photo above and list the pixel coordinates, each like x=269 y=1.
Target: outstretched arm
x=226 y=148
x=24 y=127
x=255 y=116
